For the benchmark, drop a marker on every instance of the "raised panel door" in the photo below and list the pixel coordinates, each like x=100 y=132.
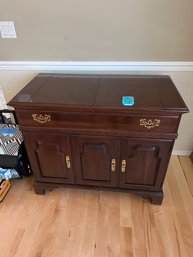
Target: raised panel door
x=50 y=157
x=95 y=160
x=144 y=163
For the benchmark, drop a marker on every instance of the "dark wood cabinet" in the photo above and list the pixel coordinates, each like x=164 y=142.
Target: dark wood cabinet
x=78 y=133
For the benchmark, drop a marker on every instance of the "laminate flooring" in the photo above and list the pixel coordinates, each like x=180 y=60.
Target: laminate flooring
x=87 y=223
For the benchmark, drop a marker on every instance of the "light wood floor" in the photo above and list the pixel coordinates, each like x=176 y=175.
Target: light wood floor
x=84 y=223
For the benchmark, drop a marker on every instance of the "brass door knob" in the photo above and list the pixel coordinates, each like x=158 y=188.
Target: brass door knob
x=113 y=165
x=123 y=165
x=68 y=162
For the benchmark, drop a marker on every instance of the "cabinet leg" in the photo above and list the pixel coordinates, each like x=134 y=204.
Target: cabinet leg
x=40 y=190
x=153 y=197
x=157 y=198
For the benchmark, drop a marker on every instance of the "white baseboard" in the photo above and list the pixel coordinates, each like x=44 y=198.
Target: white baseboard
x=95 y=66
x=182 y=153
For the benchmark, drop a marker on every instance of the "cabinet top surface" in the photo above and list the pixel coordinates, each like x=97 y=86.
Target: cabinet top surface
x=100 y=92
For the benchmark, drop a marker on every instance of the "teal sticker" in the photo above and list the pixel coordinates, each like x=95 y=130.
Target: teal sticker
x=128 y=100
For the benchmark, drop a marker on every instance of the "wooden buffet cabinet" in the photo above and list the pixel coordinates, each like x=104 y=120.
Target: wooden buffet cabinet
x=77 y=131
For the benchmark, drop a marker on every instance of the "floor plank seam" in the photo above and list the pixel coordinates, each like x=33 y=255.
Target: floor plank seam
x=185 y=176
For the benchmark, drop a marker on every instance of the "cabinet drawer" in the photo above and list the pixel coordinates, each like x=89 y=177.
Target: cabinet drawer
x=145 y=123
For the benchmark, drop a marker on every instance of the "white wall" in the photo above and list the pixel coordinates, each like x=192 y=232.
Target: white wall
x=98 y=30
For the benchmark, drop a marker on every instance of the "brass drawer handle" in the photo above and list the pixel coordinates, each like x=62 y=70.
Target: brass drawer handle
x=68 y=162
x=149 y=124
x=123 y=165
x=113 y=165
x=41 y=118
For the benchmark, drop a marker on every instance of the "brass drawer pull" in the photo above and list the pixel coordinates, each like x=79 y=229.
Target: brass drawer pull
x=68 y=162
x=41 y=118
x=113 y=165
x=149 y=124
x=123 y=165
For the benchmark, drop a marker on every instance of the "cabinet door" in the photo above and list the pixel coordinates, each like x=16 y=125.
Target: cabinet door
x=95 y=160
x=144 y=163
x=49 y=156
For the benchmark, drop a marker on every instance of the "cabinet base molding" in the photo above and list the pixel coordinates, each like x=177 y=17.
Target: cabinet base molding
x=154 y=197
